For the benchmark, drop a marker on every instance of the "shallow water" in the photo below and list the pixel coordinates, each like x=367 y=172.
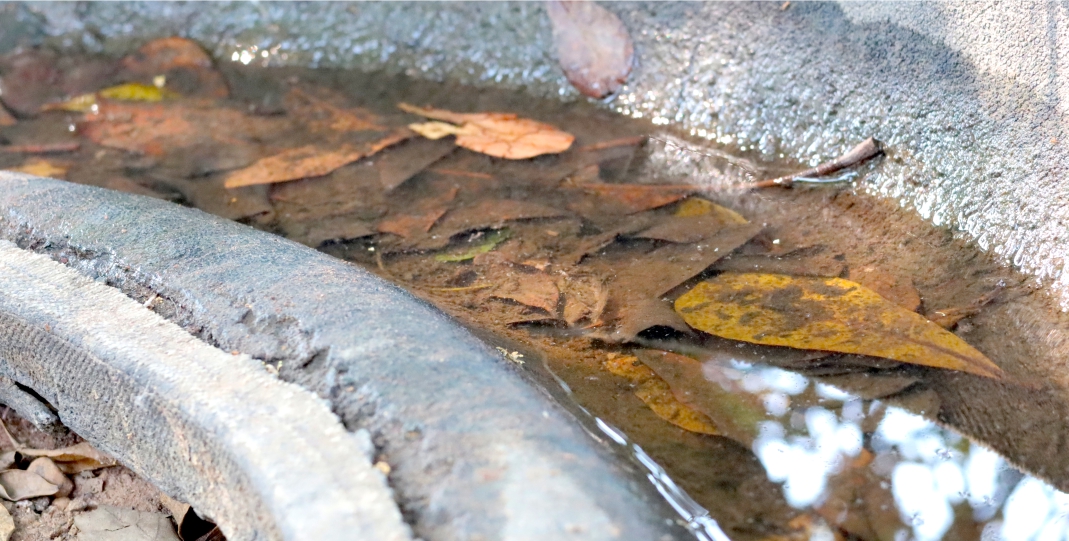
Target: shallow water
x=823 y=447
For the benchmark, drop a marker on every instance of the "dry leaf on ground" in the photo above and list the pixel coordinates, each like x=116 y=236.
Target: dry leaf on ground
x=307 y=162
x=829 y=314
x=41 y=168
x=18 y=485
x=7 y=524
x=593 y=47
x=502 y=135
x=108 y=523
x=655 y=393
x=74 y=459
x=186 y=67
x=44 y=467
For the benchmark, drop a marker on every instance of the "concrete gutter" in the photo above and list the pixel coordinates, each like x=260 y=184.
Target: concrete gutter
x=969 y=98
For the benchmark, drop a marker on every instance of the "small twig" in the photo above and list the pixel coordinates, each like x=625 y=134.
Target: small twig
x=18 y=446
x=867 y=149
x=46 y=148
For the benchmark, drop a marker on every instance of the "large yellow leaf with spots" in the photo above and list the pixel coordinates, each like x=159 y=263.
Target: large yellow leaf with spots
x=829 y=314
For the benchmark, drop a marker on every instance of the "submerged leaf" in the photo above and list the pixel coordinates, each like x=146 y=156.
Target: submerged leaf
x=537 y=290
x=593 y=47
x=502 y=135
x=307 y=161
x=829 y=314
x=180 y=62
x=656 y=394
x=126 y=92
x=488 y=243
x=41 y=168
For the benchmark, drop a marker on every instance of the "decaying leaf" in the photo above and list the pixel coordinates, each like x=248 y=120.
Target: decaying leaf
x=125 y=92
x=585 y=298
x=307 y=162
x=44 y=467
x=829 y=314
x=656 y=394
x=537 y=290
x=74 y=459
x=182 y=63
x=734 y=412
x=697 y=206
x=18 y=485
x=502 y=135
x=593 y=47
x=897 y=289
x=637 y=197
x=322 y=116
x=41 y=168
x=411 y=225
x=109 y=523
x=635 y=316
x=483 y=245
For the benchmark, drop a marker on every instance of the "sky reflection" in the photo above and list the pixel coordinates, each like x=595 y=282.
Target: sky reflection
x=942 y=485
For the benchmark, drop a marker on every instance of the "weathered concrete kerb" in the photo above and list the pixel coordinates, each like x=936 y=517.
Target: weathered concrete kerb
x=475 y=450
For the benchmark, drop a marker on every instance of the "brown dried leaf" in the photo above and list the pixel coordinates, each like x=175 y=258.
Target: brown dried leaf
x=655 y=393
x=322 y=116
x=593 y=46
x=636 y=316
x=307 y=162
x=411 y=225
x=502 y=135
x=44 y=467
x=408 y=159
x=684 y=229
x=74 y=459
x=188 y=69
x=638 y=197
x=536 y=290
x=584 y=299
x=18 y=485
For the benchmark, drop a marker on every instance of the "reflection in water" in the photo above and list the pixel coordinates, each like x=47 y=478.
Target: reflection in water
x=830 y=449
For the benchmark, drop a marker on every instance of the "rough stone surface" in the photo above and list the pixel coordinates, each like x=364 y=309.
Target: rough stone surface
x=969 y=97
x=264 y=458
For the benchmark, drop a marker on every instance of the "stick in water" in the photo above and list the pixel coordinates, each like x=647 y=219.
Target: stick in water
x=867 y=149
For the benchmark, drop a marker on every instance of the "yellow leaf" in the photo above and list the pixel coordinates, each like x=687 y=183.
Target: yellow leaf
x=126 y=92
x=41 y=168
x=434 y=129
x=136 y=92
x=502 y=135
x=696 y=206
x=828 y=314
x=657 y=395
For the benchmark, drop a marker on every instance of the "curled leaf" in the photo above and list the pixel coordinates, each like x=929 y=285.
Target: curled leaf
x=18 y=485
x=593 y=46
x=502 y=135
x=74 y=459
x=829 y=314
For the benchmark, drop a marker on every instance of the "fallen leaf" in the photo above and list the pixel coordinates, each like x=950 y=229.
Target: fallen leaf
x=408 y=159
x=585 y=298
x=334 y=228
x=948 y=318
x=502 y=135
x=593 y=47
x=74 y=459
x=109 y=523
x=41 y=148
x=637 y=197
x=411 y=225
x=486 y=214
x=41 y=168
x=18 y=485
x=636 y=316
x=734 y=412
x=684 y=230
x=184 y=65
x=44 y=467
x=808 y=261
x=829 y=314
x=697 y=206
x=126 y=92
x=484 y=244
x=307 y=161
x=322 y=116
x=895 y=288
x=655 y=393
x=434 y=130
x=536 y=290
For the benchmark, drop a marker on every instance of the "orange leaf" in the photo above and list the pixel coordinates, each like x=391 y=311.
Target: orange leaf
x=502 y=135
x=307 y=161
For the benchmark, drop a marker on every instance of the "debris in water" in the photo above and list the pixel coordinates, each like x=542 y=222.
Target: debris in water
x=41 y=168
x=502 y=135
x=485 y=244
x=593 y=47
x=868 y=148
x=656 y=394
x=829 y=314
